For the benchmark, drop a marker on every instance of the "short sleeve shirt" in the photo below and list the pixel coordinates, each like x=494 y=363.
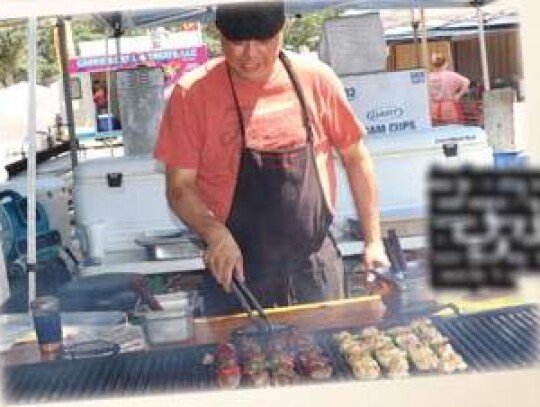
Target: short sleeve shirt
x=200 y=126
x=444 y=85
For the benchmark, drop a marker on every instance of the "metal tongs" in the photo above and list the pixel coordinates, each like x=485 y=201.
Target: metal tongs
x=251 y=305
x=246 y=298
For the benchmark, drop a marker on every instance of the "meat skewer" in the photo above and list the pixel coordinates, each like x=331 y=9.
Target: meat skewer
x=253 y=361
x=228 y=373
x=311 y=359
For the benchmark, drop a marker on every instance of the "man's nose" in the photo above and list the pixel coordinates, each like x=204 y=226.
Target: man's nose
x=248 y=48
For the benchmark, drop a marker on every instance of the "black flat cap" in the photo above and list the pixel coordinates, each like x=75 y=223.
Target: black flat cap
x=250 y=20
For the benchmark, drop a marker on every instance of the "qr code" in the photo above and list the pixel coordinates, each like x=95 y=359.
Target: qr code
x=484 y=225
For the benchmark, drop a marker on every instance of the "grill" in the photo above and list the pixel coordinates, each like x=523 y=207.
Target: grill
x=504 y=338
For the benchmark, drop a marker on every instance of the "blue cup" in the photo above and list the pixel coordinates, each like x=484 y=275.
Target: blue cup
x=47 y=323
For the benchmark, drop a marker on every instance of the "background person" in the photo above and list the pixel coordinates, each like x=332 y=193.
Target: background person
x=100 y=96
x=446 y=88
x=248 y=140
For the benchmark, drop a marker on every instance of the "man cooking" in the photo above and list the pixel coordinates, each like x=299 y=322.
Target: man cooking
x=248 y=140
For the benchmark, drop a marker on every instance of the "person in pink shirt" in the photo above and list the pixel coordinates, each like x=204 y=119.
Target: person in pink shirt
x=249 y=142
x=100 y=97
x=446 y=88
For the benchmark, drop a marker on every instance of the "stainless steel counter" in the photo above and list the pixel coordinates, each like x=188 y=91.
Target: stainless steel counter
x=137 y=260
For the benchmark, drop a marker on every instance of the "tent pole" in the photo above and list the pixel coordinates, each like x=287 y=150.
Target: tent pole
x=31 y=176
x=108 y=72
x=414 y=25
x=425 y=48
x=483 y=53
x=117 y=34
x=70 y=117
x=108 y=79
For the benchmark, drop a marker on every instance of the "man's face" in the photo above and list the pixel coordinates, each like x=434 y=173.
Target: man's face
x=252 y=60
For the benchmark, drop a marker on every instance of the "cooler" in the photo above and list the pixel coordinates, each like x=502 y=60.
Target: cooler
x=117 y=199
x=402 y=162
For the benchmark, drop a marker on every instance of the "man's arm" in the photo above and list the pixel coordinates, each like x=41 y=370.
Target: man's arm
x=359 y=168
x=223 y=256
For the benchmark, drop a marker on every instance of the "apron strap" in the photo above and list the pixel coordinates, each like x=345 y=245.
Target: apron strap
x=300 y=94
x=305 y=117
x=238 y=110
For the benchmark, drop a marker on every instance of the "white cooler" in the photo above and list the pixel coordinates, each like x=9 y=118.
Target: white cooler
x=117 y=199
x=402 y=162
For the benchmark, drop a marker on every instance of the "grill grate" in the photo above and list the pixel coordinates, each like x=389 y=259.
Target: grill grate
x=132 y=373
x=504 y=338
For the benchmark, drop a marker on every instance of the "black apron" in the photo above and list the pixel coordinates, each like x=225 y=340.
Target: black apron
x=280 y=219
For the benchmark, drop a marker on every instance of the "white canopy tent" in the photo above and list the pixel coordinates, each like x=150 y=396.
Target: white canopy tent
x=27 y=8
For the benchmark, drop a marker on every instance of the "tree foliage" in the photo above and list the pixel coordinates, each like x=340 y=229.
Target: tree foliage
x=12 y=55
x=14 y=50
x=211 y=38
x=306 y=30
x=48 y=66
x=86 y=30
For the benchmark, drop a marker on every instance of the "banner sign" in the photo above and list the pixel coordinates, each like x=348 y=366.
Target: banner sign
x=185 y=58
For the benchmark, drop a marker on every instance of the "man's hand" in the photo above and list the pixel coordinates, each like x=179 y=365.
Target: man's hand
x=375 y=256
x=223 y=257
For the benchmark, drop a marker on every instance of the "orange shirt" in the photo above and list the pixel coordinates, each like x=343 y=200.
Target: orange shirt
x=200 y=129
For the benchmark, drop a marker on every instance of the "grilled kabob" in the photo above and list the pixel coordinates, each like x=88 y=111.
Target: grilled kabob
x=444 y=358
x=365 y=368
x=449 y=360
x=253 y=361
x=310 y=357
x=357 y=351
x=363 y=351
x=227 y=369
x=254 y=370
x=281 y=367
x=426 y=331
x=392 y=360
x=280 y=361
x=393 y=351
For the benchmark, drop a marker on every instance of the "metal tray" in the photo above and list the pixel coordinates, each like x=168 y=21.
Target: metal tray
x=167 y=245
x=174 y=323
